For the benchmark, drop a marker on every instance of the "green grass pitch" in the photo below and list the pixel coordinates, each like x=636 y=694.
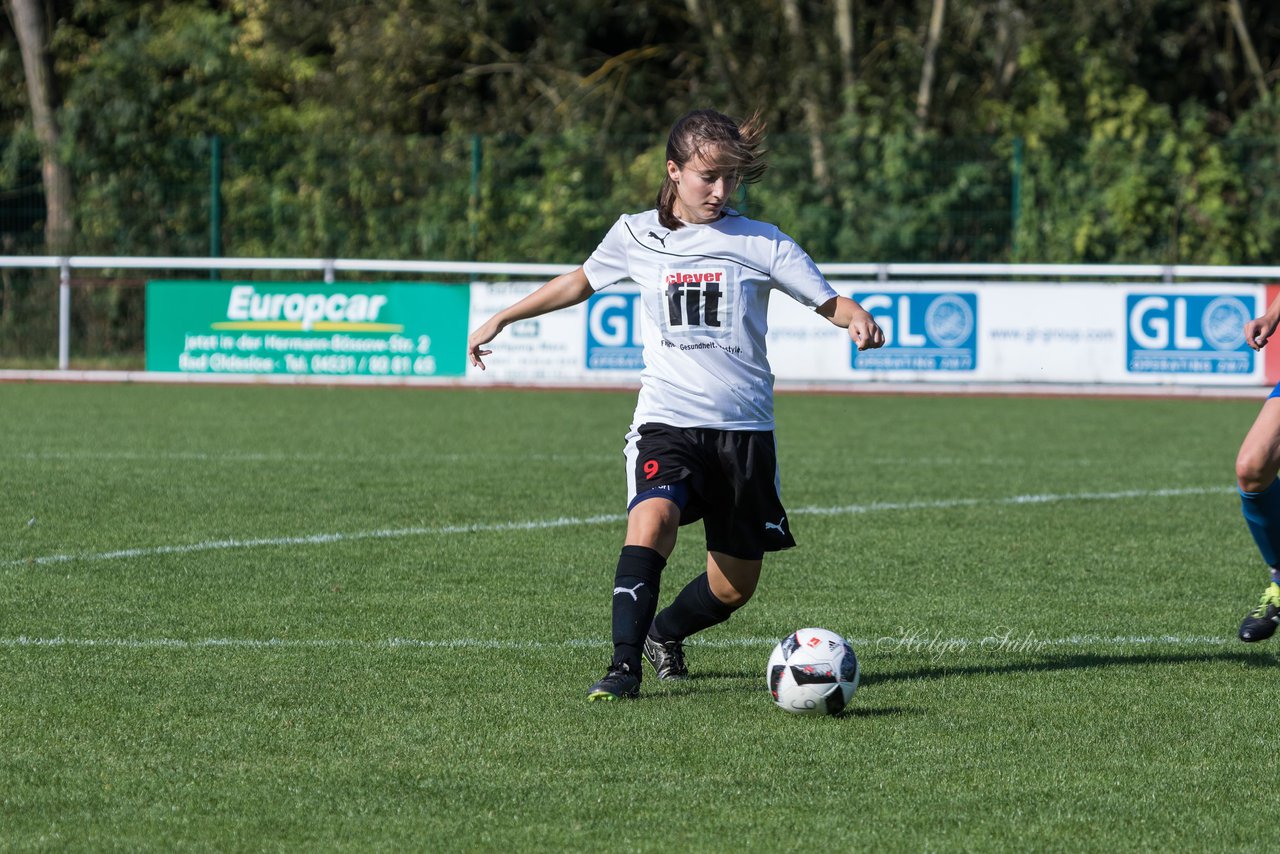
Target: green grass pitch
x=365 y=618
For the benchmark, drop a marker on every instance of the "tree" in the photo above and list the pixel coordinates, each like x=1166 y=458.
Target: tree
x=808 y=97
x=932 y=38
x=27 y=18
x=848 y=71
x=1246 y=46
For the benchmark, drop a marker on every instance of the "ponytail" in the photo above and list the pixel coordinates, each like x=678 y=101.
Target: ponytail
x=667 y=203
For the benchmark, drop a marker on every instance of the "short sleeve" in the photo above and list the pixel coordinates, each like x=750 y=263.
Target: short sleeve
x=609 y=264
x=795 y=274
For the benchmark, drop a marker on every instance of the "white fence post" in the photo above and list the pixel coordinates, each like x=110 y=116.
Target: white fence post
x=64 y=313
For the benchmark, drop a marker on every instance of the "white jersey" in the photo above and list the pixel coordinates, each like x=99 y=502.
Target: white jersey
x=705 y=296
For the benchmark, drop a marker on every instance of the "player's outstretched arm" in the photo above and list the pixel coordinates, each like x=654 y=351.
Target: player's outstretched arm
x=1260 y=329
x=565 y=290
x=847 y=314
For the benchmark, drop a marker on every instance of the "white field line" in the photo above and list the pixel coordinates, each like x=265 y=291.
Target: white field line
x=931 y=647
x=566 y=522
x=1015 y=500
x=453 y=457
x=282 y=457
x=317 y=539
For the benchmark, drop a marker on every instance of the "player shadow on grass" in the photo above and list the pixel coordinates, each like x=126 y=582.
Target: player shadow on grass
x=1074 y=661
x=725 y=681
x=732 y=682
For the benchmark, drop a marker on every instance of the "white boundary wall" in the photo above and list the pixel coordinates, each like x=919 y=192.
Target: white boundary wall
x=951 y=333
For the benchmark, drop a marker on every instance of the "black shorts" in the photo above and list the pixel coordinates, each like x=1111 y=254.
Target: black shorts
x=731 y=477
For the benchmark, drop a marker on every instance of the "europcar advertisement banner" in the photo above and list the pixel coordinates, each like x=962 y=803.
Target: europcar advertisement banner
x=349 y=329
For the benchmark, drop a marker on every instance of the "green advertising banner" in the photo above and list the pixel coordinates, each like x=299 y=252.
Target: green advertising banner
x=350 y=329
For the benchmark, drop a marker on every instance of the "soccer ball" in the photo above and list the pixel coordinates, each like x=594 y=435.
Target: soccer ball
x=812 y=672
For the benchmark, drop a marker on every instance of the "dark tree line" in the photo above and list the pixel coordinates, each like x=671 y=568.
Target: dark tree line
x=948 y=130
x=442 y=128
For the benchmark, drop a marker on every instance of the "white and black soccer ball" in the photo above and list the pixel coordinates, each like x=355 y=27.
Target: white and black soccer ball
x=812 y=672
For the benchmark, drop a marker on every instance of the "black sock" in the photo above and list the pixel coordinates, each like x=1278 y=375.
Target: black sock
x=635 y=599
x=694 y=609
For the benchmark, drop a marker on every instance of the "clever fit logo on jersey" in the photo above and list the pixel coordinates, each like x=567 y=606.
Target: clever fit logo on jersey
x=613 y=332
x=1181 y=333
x=697 y=304
x=922 y=331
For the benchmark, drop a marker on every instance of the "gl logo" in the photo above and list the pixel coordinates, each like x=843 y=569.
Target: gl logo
x=1187 y=323
x=922 y=320
x=614 y=338
x=613 y=320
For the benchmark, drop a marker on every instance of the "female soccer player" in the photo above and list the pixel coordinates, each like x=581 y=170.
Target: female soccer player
x=701 y=442
x=1256 y=468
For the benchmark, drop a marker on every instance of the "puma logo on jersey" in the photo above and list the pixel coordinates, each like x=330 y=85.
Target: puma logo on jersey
x=630 y=591
x=777 y=527
x=662 y=240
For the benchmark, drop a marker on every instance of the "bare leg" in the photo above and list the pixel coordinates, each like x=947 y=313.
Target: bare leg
x=654 y=523
x=1259 y=457
x=733 y=579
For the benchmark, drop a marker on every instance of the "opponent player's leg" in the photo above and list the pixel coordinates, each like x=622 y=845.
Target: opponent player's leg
x=1256 y=467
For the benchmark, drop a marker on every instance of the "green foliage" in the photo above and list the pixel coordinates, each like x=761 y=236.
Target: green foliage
x=1136 y=181
x=350 y=128
x=353 y=129
x=1254 y=145
x=138 y=115
x=553 y=197
x=347 y=197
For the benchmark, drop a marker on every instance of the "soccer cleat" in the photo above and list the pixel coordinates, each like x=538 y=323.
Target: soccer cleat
x=617 y=684
x=1261 y=622
x=667 y=658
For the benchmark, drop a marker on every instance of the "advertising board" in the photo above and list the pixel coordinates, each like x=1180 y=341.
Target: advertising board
x=351 y=329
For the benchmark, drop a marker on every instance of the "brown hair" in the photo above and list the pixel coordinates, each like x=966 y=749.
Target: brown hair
x=703 y=132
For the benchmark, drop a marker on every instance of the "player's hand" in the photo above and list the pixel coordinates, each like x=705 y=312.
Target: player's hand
x=865 y=332
x=483 y=334
x=1258 y=331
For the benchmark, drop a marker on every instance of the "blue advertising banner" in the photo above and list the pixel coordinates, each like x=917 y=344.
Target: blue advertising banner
x=613 y=332
x=1180 y=332
x=923 y=331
